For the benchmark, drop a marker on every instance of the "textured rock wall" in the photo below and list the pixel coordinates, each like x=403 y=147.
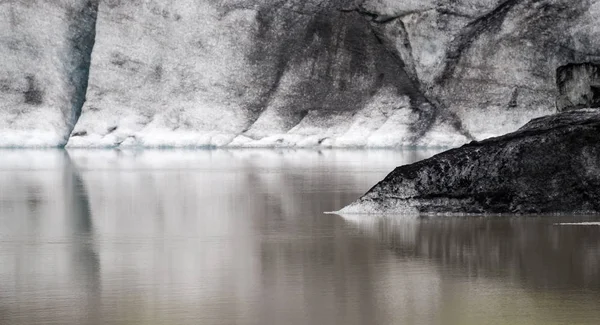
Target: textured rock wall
x=376 y=73
x=490 y=62
x=45 y=48
x=214 y=73
x=578 y=86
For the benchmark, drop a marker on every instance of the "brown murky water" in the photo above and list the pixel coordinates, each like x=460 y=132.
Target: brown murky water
x=239 y=237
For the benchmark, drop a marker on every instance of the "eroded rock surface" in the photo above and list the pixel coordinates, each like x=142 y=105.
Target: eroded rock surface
x=239 y=73
x=45 y=49
x=492 y=63
x=578 y=86
x=551 y=165
x=376 y=73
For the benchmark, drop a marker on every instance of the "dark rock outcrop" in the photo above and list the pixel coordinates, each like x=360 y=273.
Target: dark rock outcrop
x=578 y=86
x=551 y=165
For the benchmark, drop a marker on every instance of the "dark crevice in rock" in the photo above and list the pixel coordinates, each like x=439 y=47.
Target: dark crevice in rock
x=384 y=19
x=79 y=134
x=514 y=98
x=373 y=17
x=82 y=35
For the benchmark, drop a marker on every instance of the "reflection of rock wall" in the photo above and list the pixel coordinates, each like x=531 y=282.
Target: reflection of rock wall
x=48 y=255
x=221 y=234
x=182 y=237
x=517 y=270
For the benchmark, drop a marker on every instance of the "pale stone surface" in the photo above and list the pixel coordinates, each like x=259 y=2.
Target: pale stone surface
x=45 y=48
x=288 y=73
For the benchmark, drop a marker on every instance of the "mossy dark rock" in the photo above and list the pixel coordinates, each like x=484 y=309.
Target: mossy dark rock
x=551 y=165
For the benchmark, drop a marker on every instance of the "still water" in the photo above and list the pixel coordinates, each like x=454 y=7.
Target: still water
x=239 y=237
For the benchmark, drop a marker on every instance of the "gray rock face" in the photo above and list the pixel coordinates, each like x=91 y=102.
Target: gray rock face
x=491 y=60
x=257 y=73
x=376 y=73
x=550 y=165
x=578 y=86
x=45 y=48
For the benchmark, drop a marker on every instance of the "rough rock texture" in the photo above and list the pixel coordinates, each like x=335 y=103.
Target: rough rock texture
x=252 y=73
x=578 y=86
x=377 y=73
x=45 y=49
x=490 y=59
x=551 y=165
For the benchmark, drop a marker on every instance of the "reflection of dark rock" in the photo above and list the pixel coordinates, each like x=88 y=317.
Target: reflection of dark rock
x=579 y=86
x=530 y=251
x=552 y=164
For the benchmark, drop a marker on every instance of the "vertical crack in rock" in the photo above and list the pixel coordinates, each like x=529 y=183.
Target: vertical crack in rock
x=81 y=38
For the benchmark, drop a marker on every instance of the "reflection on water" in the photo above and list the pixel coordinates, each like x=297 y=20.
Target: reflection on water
x=238 y=237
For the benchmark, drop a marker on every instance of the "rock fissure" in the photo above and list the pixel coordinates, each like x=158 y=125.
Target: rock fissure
x=81 y=41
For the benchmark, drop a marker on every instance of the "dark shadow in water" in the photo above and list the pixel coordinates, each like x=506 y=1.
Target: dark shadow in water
x=85 y=259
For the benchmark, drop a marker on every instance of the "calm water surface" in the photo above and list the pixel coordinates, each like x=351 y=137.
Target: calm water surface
x=239 y=237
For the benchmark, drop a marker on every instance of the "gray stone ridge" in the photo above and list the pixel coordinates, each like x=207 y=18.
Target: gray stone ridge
x=551 y=165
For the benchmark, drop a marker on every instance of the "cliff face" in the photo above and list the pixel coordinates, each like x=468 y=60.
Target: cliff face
x=296 y=73
x=373 y=73
x=491 y=60
x=45 y=48
x=551 y=165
